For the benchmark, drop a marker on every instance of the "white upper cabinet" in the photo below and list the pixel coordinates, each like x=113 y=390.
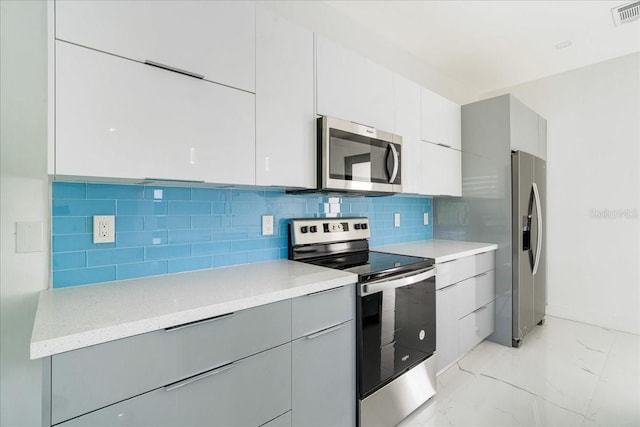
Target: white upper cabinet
x=123 y=119
x=215 y=39
x=285 y=118
x=440 y=120
x=407 y=124
x=524 y=127
x=352 y=87
x=441 y=170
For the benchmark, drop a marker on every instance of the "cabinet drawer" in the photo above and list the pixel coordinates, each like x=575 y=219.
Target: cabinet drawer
x=283 y=420
x=249 y=392
x=475 y=327
x=451 y=272
x=311 y=313
x=475 y=292
x=93 y=377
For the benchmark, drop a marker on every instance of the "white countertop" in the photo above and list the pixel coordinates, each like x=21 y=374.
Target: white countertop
x=72 y=318
x=440 y=250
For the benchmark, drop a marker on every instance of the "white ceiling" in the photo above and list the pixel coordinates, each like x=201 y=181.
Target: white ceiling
x=491 y=45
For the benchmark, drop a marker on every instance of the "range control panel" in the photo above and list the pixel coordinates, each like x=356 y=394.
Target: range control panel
x=327 y=230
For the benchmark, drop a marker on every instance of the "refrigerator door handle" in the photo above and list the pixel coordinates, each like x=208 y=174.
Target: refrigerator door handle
x=536 y=194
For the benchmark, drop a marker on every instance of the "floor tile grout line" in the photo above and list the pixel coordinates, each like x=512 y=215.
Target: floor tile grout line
x=604 y=365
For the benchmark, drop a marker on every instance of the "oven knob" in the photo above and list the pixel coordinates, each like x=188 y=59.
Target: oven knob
x=304 y=229
x=357 y=226
x=313 y=229
x=364 y=226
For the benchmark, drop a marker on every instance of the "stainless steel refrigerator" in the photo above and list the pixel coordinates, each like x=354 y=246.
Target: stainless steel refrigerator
x=528 y=187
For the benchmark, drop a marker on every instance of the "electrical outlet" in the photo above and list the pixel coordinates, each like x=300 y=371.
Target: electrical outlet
x=104 y=228
x=267 y=225
x=425 y=218
x=396 y=219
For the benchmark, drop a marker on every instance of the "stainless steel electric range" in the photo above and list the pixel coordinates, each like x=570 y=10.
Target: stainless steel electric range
x=395 y=315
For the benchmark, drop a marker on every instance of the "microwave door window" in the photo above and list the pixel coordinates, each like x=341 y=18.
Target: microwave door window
x=358 y=158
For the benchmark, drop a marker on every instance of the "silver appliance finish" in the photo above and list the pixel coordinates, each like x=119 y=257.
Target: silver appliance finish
x=529 y=288
x=326 y=183
x=396 y=400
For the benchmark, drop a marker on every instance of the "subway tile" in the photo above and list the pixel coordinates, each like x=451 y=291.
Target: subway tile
x=221 y=208
x=168 y=222
x=71 y=207
x=69 y=260
x=247 y=245
x=211 y=194
x=189 y=264
x=263 y=255
x=189 y=208
x=236 y=258
x=141 y=207
x=206 y=221
x=154 y=192
x=275 y=242
x=243 y=208
x=129 y=223
x=83 y=276
x=141 y=238
x=114 y=192
x=68 y=190
x=210 y=248
x=77 y=242
x=166 y=252
x=69 y=225
x=189 y=236
x=141 y=269
x=242 y=220
x=246 y=195
x=114 y=256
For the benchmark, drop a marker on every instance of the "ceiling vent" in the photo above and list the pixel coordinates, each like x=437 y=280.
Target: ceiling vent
x=626 y=13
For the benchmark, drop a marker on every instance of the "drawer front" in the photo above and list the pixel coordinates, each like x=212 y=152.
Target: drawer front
x=311 y=313
x=93 y=377
x=475 y=327
x=250 y=392
x=475 y=292
x=283 y=420
x=451 y=272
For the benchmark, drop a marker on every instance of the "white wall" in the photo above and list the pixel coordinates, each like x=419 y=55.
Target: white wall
x=593 y=162
x=328 y=21
x=23 y=197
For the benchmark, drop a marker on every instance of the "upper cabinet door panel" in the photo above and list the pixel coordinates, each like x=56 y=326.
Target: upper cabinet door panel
x=122 y=119
x=407 y=124
x=215 y=39
x=285 y=118
x=524 y=127
x=440 y=120
x=352 y=87
x=442 y=170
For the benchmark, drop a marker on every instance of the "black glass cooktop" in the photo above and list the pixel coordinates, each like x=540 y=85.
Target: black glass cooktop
x=373 y=265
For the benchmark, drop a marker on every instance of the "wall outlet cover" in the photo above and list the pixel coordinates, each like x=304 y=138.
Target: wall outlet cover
x=396 y=219
x=425 y=218
x=267 y=225
x=104 y=228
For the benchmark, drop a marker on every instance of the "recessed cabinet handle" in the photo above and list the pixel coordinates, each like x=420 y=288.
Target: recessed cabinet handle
x=199 y=322
x=322 y=292
x=174 y=69
x=199 y=377
x=325 y=331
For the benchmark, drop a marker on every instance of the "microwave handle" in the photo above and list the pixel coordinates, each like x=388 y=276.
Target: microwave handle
x=394 y=173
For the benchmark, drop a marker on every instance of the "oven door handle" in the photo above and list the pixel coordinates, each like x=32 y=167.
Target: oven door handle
x=383 y=285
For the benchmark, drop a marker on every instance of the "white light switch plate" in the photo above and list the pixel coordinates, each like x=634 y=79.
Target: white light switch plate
x=396 y=219
x=267 y=225
x=29 y=236
x=426 y=218
x=104 y=228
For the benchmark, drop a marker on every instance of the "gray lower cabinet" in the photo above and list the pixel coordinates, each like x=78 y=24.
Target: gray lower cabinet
x=283 y=420
x=323 y=387
x=248 y=392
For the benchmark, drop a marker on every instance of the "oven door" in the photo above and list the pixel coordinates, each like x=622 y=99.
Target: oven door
x=357 y=157
x=397 y=327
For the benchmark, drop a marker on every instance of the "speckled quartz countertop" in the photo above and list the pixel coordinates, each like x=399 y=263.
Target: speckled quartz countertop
x=72 y=318
x=440 y=250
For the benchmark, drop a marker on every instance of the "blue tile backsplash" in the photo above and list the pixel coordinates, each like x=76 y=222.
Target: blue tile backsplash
x=162 y=230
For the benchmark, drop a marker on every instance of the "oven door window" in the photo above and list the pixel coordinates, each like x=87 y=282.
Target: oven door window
x=360 y=158
x=397 y=331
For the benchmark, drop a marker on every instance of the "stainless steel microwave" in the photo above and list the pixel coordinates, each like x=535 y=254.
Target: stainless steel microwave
x=358 y=158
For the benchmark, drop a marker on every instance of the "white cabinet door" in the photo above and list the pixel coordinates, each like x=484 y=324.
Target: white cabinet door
x=213 y=38
x=285 y=119
x=524 y=127
x=121 y=119
x=441 y=170
x=440 y=120
x=446 y=327
x=407 y=124
x=351 y=87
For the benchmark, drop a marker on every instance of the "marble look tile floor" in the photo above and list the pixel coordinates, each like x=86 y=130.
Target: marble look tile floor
x=565 y=373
